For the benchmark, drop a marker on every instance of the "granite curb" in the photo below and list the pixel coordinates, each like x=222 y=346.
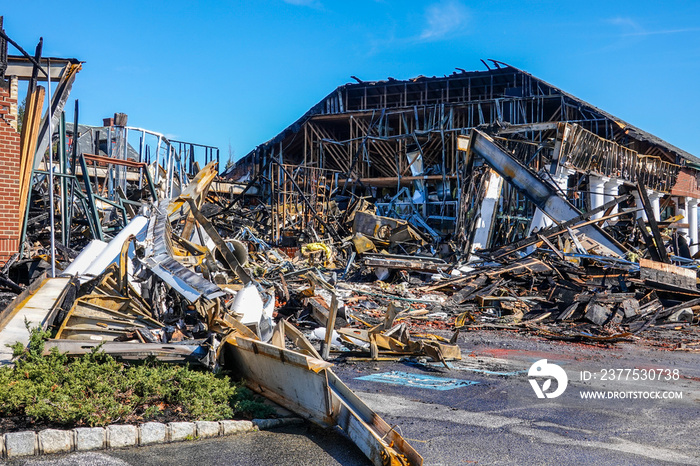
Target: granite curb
x=51 y=441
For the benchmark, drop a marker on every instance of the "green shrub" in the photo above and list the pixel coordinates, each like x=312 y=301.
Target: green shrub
x=96 y=390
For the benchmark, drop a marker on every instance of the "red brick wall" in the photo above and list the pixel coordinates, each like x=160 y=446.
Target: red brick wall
x=686 y=184
x=9 y=177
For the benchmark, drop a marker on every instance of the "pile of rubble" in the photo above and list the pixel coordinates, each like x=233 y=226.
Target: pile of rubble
x=169 y=286
x=274 y=278
x=196 y=269
x=192 y=279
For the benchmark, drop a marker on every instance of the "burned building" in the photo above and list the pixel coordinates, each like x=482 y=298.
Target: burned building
x=480 y=200
x=397 y=141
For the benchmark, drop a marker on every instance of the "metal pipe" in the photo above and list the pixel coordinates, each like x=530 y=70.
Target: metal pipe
x=126 y=156
x=141 y=150
x=63 y=164
x=74 y=155
x=157 y=180
x=92 y=215
x=169 y=179
x=51 y=212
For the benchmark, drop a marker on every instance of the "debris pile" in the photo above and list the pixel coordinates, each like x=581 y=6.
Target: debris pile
x=369 y=286
x=195 y=278
x=543 y=227
x=169 y=286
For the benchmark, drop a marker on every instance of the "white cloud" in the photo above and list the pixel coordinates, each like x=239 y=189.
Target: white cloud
x=630 y=27
x=662 y=31
x=443 y=19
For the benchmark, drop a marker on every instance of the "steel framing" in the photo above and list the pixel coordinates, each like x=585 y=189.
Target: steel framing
x=363 y=132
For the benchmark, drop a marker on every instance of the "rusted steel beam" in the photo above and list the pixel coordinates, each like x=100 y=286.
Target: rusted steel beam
x=114 y=161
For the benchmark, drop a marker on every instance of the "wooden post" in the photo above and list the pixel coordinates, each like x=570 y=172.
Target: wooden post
x=330 y=325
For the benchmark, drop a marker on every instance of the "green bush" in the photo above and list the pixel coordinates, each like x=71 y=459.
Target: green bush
x=96 y=390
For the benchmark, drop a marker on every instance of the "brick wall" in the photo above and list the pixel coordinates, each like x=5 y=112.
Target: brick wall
x=9 y=175
x=686 y=184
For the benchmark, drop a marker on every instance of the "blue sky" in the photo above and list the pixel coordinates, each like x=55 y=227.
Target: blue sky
x=220 y=72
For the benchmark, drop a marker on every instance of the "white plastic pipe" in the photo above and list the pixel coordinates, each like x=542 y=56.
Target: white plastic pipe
x=86 y=257
x=111 y=253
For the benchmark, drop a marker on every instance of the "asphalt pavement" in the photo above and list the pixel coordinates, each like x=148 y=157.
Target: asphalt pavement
x=500 y=420
x=485 y=409
x=286 y=446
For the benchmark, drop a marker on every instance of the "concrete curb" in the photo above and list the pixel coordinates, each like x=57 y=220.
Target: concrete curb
x=51 y=441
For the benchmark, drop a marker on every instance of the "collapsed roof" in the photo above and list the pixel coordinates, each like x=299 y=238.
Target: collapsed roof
x=503 y=94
